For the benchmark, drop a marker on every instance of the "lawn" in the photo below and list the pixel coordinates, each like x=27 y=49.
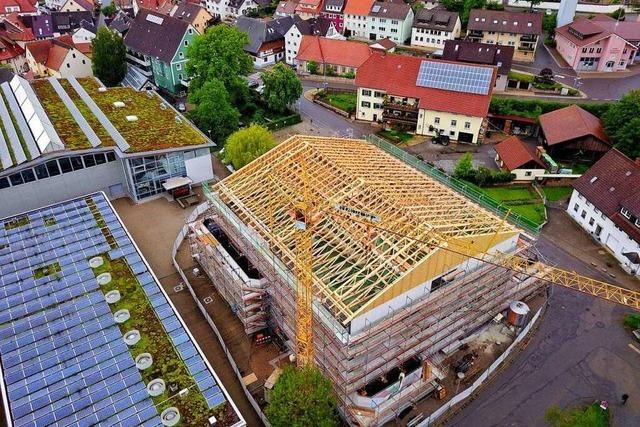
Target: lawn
x=505 y=194
x=589 y=416
x=16 y=222
x=397 y=136
x=522 y=200
x=345 y=101
x=554 y=194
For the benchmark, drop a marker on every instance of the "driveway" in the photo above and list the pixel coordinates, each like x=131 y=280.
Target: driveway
x=580 y=354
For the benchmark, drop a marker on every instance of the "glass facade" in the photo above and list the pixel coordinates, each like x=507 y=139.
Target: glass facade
x=150 y=172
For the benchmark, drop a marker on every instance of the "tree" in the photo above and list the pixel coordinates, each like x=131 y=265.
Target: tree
x=464 y=167
x=549 y=22
x=246 y=145
x=108 y=57
x=312 y=67
x=302 y=397
x=219 y=54
x=109 y=10
x=214 y=112
x=622 y=124
x=618 y=14
x=282 y=87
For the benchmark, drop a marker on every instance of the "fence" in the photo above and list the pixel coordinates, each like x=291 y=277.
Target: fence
x=199 y=210
x=460 y=186
x=482 y=378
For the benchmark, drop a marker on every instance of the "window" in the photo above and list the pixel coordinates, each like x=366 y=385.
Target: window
x=378 y=94
x=84 y=62
x=73 y=55
x=625 y=213
x=41 y=171
x=598 y=50
x=4 y=183
x=52 y=168
x=452 y=133
x=76 y=162
x=89 y=161
x=16 y=179
x=527 y=173
x=65 y=165
x=467 y=125
x=575 y=207
x=591 y=50
x=591 y=221
x=181 y=55
x=111 y=156
x=366 y=92
x=583 y=214
x=436 y=120
x=622 y=63
x=584 y=50
x=186 y=42
x=365 y=104
x=179 y=67
x=100 y=159
x=68 y=65
x=377 y=106
x=454 y=123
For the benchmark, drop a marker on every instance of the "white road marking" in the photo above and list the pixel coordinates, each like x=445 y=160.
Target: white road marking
x=634 y=348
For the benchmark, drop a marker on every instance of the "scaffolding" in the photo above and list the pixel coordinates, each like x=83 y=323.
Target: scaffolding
x=381 y=298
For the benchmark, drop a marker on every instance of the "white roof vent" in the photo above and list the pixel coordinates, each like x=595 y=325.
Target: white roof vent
x=612 y=189
x=149 y=94
x=627 y=173
x=118 y=104
x=594 y=179
x=163 y=106
x=178 y=119
x=132 y=118
x=102 y=89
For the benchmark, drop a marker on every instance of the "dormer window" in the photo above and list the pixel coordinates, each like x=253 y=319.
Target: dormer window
x=504 y=22
x=637 y=222
x=594 y=179
x=529 y=24
x=625 y=213
x=515 y=22
x=495 y=21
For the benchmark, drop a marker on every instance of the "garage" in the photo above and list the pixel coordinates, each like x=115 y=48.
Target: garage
x=612 y=243
x=465 y=137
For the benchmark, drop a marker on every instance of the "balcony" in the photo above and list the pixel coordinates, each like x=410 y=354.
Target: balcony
x=142 y=61
x=400 y=117
x=390 y=105
x=526 y=47
x=529 y=38
x=474 y=34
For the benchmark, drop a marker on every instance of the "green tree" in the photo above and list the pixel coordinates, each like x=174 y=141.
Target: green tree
x=108 y=57
x=246 y=145
x=312 y=67
x=464 y=167
x=282 y=87
x=214 y=112
x=549 y=22
x=219 y=54
x=109 y=10
x=617 y=14
x=591 y=416
x=622 y=124
x=302 y=397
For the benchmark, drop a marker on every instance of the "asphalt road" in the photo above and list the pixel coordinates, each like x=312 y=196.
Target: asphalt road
x=579 y=355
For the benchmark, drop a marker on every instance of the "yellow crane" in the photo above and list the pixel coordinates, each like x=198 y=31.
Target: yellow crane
x=309 y=211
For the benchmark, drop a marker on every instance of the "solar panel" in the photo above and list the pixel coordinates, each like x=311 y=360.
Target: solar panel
x=455 y=77
x=63 y=357
x=155 y=19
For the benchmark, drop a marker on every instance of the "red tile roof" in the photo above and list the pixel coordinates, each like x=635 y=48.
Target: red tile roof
x=25 y=6
x=515 y=154
x=610 y=184
x=334 y=52
x=397 y=74
x=10 y=49
x=51 y=52
x=13 y=28
x=358 y=7
x=569 y=123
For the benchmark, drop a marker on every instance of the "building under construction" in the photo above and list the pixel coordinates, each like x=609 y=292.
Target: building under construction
x=392 y=288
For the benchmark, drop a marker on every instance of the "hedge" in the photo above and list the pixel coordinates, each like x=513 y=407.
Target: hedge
x=533 y=108
x=284 y=122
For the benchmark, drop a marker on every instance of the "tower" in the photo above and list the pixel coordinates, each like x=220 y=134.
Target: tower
x=567 y=12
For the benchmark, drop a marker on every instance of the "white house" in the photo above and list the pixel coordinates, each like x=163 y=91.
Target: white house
x=322 y=27
x=515 y=156
x=232 y=9
x=355 y=18
x=606 y=203
x=390 y=20
x=57 y=57
x=431 y=28
x=85 y=34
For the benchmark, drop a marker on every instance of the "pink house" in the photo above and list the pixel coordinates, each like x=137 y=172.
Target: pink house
x=332 y=9
x=598 y=44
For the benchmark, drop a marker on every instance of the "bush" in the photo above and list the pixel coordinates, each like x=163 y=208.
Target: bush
x=632 y=320
x=312 y=67
x=349 y=75
x=284 y=122
x=550 y=41
x=532 y=108
x=482 y=176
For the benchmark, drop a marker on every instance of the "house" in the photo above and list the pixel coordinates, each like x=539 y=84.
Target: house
x=598 y=45
x=355 y=18
x=515 y=156
x=627 y=29
x=159 y=6
x=342 y=56
x=308 y=8
x=83 y=36
x=481 y=53
x=518 y=29
x=606 y=203
x=157 y=45
x=68 y=22
x=323 y=27
x=40 y=25
x=431 y=28
x=77 y=6
x=12 y=41
x=228 y=10
x=120 y=23
x=8 y=7
x=390 y=19
x=286 y=8
x=384 y=45
x=332 y=9
x=194 y=14
x=425 y=96
x=266 y=39
x=57 y=57
x=571 y=130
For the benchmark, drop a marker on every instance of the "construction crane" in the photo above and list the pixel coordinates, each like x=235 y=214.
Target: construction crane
x=310 y=210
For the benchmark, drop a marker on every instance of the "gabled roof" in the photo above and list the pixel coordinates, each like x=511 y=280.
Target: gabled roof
x=121 y=22
x=85 y=4
x=505 y=22
x=51 y=52
x=25 y=6
x=314 y=26
x=89 y=26
x=358 y=7
x=334 y=3
x=188 y=11
x=287 y=7
x=479 y=53
x=612 y=183
x=9 y=49
x=515 y=154
x=396 y=9
x=161 y=6
x=397 y=75
x=156 y=35
x=583 y=31
x=308 y=6
x=64 y=22
x=383 y=44
x=334 y=52
x=13 y=28
x=569 y=123
x=260 y=31
x=436 y=19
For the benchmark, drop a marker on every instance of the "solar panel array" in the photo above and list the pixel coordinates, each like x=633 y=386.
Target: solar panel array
x=455 y=77
x=64 y=360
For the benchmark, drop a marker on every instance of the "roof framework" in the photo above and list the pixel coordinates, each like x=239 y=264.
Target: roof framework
x=353 y=262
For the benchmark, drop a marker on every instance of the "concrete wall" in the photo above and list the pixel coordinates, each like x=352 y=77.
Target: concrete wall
x=590 y=218
x=48 y=191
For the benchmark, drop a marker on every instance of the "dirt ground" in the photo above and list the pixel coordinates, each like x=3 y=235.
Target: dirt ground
x=154 y=226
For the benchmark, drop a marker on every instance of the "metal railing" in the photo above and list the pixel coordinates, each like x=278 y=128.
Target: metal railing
x=464 y=188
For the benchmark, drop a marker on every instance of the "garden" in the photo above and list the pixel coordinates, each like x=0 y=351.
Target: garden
x=345 y=101
x=543 y=82
x=523 y=200
x=396 y=136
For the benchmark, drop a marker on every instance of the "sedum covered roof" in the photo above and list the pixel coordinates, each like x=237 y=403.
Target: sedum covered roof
x=352 y=182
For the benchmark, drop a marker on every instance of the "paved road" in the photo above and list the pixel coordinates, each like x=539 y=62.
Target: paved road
x=605 y=88
x=580 y=354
